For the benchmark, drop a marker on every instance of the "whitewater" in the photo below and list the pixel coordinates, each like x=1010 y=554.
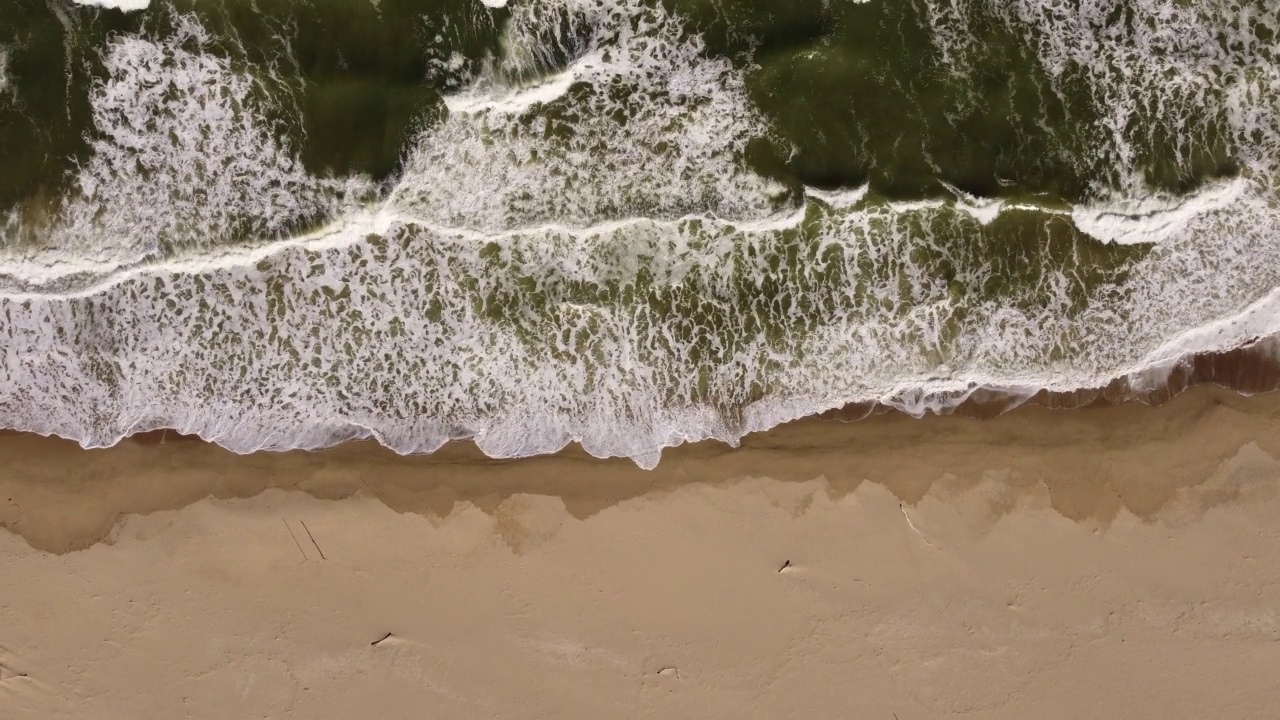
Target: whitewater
x=576 y=251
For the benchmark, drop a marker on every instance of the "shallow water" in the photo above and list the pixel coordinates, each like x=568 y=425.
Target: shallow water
x=279 y=224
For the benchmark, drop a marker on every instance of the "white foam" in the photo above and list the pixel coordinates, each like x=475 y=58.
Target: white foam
x=125 y=5
x=1154 y=218
x=460 y=364
x=4 y=71
x=668 y=147
x=984 y=210
x=1257 y=320
x=181 y=158
x=1160 y=70
x=844 y=198
x=506 y=291
x=513 y=101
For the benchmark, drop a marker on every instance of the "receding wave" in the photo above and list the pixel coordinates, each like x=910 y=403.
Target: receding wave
x=605 y=222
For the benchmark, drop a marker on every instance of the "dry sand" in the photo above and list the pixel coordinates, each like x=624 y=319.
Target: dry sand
x=1118 y=562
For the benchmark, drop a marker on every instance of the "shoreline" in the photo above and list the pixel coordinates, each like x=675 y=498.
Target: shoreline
x=845 y=448
x=1115 y=559
x=1249 y=369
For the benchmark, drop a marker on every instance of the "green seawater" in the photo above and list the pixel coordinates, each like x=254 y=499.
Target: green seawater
x=627 y=222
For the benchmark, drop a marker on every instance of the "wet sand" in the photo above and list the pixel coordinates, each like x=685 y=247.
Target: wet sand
x=1118 y=561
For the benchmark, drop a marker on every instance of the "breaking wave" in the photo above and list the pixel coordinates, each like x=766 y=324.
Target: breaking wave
x=581 y=247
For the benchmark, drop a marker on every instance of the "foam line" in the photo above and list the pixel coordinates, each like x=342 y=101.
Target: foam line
x=577 y=251
x=125 y=5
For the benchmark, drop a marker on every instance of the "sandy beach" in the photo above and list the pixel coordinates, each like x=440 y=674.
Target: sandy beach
x=1102 y=562
x=329 y=285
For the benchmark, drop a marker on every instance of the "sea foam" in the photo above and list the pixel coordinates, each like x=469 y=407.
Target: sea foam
x=577 y=252
x=125 y=5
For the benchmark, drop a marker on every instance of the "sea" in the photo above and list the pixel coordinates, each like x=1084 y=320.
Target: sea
x=629 y=224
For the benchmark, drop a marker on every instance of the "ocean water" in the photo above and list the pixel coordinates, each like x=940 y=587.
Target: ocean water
x=629 y=223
